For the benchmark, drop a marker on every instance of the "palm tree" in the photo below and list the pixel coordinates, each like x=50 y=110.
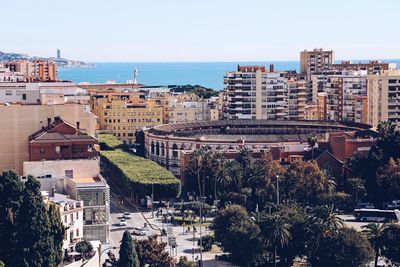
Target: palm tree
x=329 y=221
x=232 y=176
x=218 y=162
x=200 y=156
x=374 y=232
x=312 y=141
x=276 y=232
x=255 y=179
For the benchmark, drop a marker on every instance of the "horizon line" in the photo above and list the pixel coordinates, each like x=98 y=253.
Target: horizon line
x=236 y=61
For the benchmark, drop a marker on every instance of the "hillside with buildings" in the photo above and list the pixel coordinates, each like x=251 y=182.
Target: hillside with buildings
x=61 y=62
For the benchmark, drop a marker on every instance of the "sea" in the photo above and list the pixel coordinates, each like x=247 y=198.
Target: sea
x=207 y=74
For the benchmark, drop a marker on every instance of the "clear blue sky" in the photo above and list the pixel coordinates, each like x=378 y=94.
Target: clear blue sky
x=200 y=30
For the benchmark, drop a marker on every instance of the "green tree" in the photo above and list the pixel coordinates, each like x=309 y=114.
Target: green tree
x=347 y=248
x=275 y=232
x=328 y=220
x=306 y=183
x=34 y=240
x=374 y=232
x=57 y=232
x=300 y=235
x=356 y=187
x=11 y=188
x=152 y=253
x=391 y=243
x=237 y=233
x=372 y=168
x=85 y=248
x=388 y=178
x=1 y=264
x=127 y=252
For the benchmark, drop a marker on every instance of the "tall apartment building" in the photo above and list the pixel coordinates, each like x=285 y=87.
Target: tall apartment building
x=122 y=113
x=314 y=61
x=296 y=99
x=66 y=160
x=383 y=98
x=342 y=93
x=36 y=70
x=371 y=67
x=253 y=93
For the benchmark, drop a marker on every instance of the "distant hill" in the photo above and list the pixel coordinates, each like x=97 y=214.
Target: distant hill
x=62 y=62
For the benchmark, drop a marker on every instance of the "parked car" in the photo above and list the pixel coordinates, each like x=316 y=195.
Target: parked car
x=395 y=204
x=139 y=232
x=127 y=215
x=122 y=222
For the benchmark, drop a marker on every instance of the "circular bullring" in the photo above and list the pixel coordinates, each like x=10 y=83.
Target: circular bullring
x=165 y=143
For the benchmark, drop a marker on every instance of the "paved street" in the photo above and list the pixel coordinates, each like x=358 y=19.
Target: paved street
x=185 y=242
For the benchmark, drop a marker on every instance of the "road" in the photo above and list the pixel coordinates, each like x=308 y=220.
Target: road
x=185 y=242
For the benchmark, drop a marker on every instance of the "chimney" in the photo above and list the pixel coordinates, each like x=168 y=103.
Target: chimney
x=48 y=122
x=271 y=68
x=77 y=126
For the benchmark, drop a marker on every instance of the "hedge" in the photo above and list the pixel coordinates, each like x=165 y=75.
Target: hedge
x=134 y=174
x=108 y=141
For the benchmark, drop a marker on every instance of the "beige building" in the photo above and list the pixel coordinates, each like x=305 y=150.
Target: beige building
x=314 y=61
x=122 y=113
x=383 y=94
x=18 y=122
x=80 y=179
x=296 y=99
x=371 y=67
x=187 y=108
x=342 y=94
x=311 y=112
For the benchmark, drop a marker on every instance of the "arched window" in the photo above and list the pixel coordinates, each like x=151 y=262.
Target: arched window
x=158 y=149
x=152 y=147
x=174 y=151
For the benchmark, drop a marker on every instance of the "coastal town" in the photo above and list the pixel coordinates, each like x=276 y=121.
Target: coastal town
x=161 y=163
x=199 y=133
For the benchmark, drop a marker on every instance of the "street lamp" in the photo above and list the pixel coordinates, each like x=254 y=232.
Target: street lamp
x=277 y=190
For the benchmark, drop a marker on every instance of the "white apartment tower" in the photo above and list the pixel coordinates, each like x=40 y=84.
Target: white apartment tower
x=254 y=93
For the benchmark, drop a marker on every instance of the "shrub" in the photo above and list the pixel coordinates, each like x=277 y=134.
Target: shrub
x=85 y=248
x=208 y=241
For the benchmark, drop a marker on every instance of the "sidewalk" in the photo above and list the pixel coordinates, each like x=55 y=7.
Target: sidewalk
x=186 y=242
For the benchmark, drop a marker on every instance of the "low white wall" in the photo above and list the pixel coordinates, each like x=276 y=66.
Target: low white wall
x=82 y=168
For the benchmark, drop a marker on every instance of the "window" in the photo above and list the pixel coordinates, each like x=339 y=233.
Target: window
x=8 y=92
x=174 y=151
x=77 y=215
x=23 y=96
x=69 y=173
x=65 y=219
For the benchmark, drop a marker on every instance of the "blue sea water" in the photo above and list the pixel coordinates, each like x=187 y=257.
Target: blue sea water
x=208 y=74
